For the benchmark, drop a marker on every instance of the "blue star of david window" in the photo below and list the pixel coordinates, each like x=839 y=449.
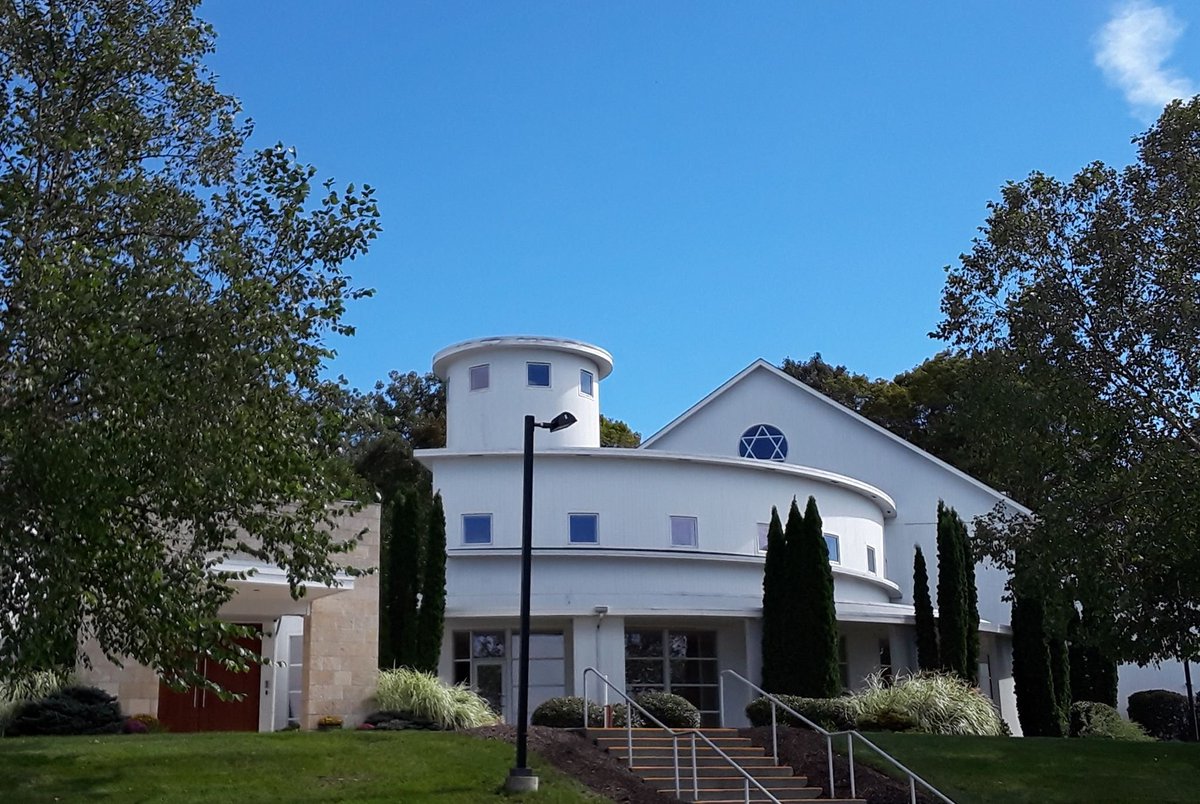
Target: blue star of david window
x=764 y=442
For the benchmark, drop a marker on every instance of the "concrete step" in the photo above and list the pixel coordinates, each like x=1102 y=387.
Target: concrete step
x=702 y=750
x=708 y=795
x=645 y=759
x=684 y=742
x=715 y=771
x=657 y=732
x=730 y=780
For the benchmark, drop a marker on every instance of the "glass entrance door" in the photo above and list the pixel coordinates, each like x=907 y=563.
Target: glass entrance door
x=489 y=680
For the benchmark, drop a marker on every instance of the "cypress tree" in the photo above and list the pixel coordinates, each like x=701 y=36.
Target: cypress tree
x=402 y=560
x=793 y=641
x=970 y=598
x=817 y=633
x=927 y=646
x=431 y=617
x=952 y=614
x=1093 y=672
x=774 y=616
x=1060 y=679
x=1032 y=674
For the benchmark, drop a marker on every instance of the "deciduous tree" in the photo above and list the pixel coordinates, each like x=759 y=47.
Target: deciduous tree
x=1088 y=290
x=167 y=296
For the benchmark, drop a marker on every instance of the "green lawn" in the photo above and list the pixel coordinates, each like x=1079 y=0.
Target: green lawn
x=983 y=770
x=296 y=767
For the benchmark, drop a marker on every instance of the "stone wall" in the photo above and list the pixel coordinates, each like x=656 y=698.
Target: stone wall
x=341 y=636
x=135 y=685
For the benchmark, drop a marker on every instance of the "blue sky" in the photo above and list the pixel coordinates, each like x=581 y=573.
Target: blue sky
x=689 y=185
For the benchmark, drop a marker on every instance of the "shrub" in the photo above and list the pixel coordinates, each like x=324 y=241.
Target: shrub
x=673 y=711
x=831 y=714
x=1090 y=719
x=1162 y=713
x=888 y=718
x=70 y=710
x=566 y=713
x=131 y=726
x=33 y=687
x=934 y=703
x=422 y=696
x=143 y=723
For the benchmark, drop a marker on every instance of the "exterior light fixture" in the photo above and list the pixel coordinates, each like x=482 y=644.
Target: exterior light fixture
x=521 y=778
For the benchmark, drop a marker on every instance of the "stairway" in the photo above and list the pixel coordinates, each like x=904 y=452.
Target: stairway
x=719 y=783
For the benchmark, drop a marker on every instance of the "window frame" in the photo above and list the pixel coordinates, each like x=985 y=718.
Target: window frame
x=595 y=517
x=591 y=394
x=529 y=364
x=872 y=561
x=491 y=535
x=764 y=531
x=695 y=543
x=487 y=377
x=837 y=541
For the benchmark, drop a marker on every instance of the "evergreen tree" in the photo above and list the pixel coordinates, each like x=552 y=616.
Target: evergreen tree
x=1093 y=672
x=817 y=632
x=952 y=609
x=1032 y=675
x=401 y=556
x=927 y=645
x=792 y=638
x=1060 y=678
x=775 y=598
x=431 y=616
x=1040 y=671
x=970 y=598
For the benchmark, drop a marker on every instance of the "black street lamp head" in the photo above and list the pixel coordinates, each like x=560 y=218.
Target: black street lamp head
x=560 y=422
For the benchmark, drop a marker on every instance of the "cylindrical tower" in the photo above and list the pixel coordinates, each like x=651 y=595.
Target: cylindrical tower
x=493 y=383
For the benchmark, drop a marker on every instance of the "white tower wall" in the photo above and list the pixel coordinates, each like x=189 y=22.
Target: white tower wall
x=492 y=418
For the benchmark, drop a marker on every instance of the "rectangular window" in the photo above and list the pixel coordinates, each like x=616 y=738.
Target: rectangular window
x=684 y=531
x=586 y=382
x=835 y=551
x=477 y=528
x=480 y=377
x=680 y=662
x=584 y=529
x=870 y=560
x=538 y=374
x=763 y=530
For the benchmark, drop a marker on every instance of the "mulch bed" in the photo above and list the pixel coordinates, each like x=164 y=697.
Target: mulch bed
x=804 y=750
x=568 y=751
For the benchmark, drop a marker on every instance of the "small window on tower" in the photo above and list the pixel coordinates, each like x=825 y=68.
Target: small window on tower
x=480 y=377
x=538 y=374
x=586 y=383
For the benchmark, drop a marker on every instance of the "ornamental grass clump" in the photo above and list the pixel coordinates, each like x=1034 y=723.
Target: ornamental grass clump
x=1099 y=720
x=424 y=696
x=933 y=703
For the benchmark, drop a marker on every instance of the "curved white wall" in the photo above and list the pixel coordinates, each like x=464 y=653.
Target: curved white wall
x=634 y=495
x=492 y=418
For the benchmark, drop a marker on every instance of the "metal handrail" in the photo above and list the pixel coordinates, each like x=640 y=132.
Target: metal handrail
x=747 y=779
x=851 y=734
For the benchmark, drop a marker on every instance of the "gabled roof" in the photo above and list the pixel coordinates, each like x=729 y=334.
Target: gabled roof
x=763 y=365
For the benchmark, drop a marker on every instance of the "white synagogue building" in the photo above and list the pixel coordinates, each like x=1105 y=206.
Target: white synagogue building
x=648 y=562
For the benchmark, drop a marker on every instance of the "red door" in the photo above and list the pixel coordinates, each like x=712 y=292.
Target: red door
x=201 y=710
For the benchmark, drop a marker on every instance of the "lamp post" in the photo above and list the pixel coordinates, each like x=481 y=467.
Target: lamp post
x=521 y=778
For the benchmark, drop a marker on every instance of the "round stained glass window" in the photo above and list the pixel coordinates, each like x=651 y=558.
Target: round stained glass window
x=764 y=442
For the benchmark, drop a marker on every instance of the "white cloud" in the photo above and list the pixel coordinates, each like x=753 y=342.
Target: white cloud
x=1131 y=49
